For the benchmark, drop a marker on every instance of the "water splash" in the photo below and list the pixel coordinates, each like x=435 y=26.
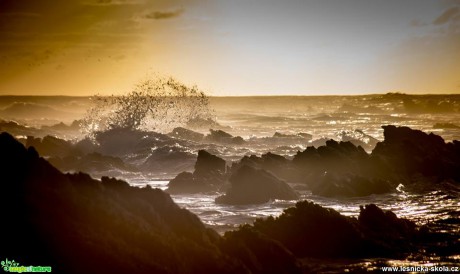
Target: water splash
x=157 y=104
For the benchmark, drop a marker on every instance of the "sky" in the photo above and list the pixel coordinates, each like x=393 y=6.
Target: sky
x=238 y=47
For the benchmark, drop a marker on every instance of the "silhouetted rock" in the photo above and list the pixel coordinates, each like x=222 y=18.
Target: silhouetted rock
x=349 y=185
x=220 y=136
x=15 y=128
x=249 y=246
x=358 y=138
x=309 y=230
x=122 y=141
x=91 y=163
x=209 y=175
x=409 y=152
x=338 y=169
x=79 y=225
x=207 y=163
x=385 y=228
x=52 y=146
x=299 y=135
x=186 y=134
x=279 y=166
x=76 y=224
x=74 y=126
x=255 y=186
x=168 y=159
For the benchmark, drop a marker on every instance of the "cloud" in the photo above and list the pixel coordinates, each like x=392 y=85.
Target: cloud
x=448 y=15
x=159 y=15
x=112 y=2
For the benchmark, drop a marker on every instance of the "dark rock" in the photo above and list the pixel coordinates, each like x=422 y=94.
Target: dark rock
x=339 y=169
x=307 y=136
x=207 y=163
x=92 y=162
x=255 y=186
x=220 y=136
x=168 y=159
x=409 y=152
x=279 y=166
x=309 y=230
x=209 y=175
x=79 y=225
x=186 y=134
x=52 y=146
x=122 y=141
x=359 y=138
x=349 y=185
x=17 y=129
x=249 y=246
x=298 y=135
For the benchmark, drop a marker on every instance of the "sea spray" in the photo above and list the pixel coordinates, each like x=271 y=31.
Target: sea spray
x=157 y=104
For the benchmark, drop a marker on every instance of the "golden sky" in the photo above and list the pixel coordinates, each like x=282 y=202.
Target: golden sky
x=238 y=47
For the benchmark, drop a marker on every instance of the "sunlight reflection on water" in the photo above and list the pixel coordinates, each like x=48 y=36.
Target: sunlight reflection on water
x=422 y=209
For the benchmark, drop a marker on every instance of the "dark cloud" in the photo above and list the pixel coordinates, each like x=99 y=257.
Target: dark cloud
x=448 y=15
x=158 y=15
x=112 y=2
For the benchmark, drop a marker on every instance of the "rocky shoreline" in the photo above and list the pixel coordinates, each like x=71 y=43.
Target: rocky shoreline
x=78 y=224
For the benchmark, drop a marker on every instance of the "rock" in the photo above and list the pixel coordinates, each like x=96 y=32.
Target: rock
x=409 y=152
x=277 y=165
x=15 y=128
x=168 y=159
x=122 y=141
x=186 y=134
x=292 y=136
x=52 y=146
x=349 y=185
x=307 y=136
x=91 y=163
x=76 y=224
x=329 y=163
x=358 y=138
x=255 y=186
x=309 y=230
x=209 y=175
x=220 y=136
x=207 y=163
x=341 y=169
x=388 y=234
x=249 y=246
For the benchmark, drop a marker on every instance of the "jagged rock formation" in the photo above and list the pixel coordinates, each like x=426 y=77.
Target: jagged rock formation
x=309 y=230
x=186 y=134
x=220 y=136
x=409 y=152
x=209 y=175
x=255 y=186
x=273 y=163
x=76 y=224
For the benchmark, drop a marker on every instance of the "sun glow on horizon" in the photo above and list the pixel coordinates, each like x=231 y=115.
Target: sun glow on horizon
x=231 y=48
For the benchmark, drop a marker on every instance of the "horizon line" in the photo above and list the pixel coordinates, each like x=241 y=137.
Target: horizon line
x=242 y=96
